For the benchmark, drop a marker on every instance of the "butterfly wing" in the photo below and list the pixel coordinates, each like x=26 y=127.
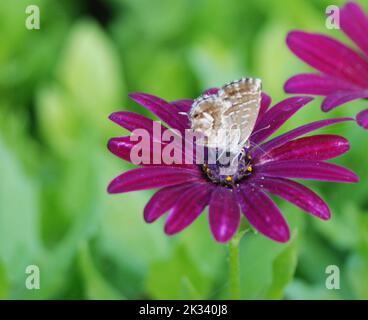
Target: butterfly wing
x=205 y=117
x=243 y=100
x=226 y=119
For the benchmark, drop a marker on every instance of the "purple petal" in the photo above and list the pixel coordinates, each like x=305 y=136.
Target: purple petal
x=275 y=117
x=167 y=112
x=162 y=201
x=297 y=194
x=354 y=23
x=224 y=214
x=280 y=140
x=362 y=118
x=317 y=84
x=122 y=147
x=265 y=104
x=188 y=207
x=329 y=56
x=132 y=121
x=210 y=91
x=318 y=147
x=152 y=177
x=184 y=105
x=336 y=99
x=307 y=169
x=262 y=213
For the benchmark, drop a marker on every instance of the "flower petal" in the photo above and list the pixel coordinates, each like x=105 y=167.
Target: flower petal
x=262 y=213
x=210 y=91
x=318 y=147
x=307 y=169
x=122 y=148
x=297 y=194
x=329 y=56
x=317 y=84
x=184 y=105
x=167 y=112
x=224 y=214
x=152 y=177
x=265 y=104
x=188 y=207
x=163 y=200
x=362 y=118
x=280 y=140
x=275 y=117
x=354 y=22
x=337 y=99
x=132 y=121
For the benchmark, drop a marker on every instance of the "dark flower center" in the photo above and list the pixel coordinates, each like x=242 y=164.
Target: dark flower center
x=228 y=171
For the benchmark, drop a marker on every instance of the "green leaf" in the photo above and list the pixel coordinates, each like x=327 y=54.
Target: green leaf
x=344 y=228
x=200 y=259
x=19 y=219
x=209 y=255
x=87 y=89
x=300 y=290
x=357 y=271
x=128 y=243
x=4 y=283
x=90 y=71
x=260 y=266
x=177 y=278
x=96 y=286
x=283 y=269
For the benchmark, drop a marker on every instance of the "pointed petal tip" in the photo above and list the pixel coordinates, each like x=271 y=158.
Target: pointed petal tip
x=283 y=235
x=302 y=100
x=170 y=230
x=117 y=117
x=134 y=94
x=223 y=237
x=288 y=85
x=111 y=144
x=266 y=99
x=306 y=99
x=355 y=178
x=263 y=214
x=137 y=95
x=222 y=240
x=326 y=216
x=113 y=116
x=148 y=218
x=294 y=35
x=350 y=177
x=111 y=188
x=296 y=84
x=362 y=119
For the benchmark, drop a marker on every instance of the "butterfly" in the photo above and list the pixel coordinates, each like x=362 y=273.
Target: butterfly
x=225 y=120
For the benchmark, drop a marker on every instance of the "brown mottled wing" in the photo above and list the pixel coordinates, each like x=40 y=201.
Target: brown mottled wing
x=243 y=98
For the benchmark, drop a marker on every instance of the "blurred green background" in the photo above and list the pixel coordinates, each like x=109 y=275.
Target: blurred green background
x=57 y=87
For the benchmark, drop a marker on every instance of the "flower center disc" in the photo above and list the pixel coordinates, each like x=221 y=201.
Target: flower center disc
x=228 y=170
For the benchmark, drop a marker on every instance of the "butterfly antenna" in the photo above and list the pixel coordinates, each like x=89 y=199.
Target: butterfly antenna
x=257 y=146
x=259 y=130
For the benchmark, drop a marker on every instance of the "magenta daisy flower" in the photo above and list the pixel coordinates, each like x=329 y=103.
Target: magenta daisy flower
x=265 y=167
x=343 y=71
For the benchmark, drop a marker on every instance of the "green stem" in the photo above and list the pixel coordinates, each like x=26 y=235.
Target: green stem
x=234 y=266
